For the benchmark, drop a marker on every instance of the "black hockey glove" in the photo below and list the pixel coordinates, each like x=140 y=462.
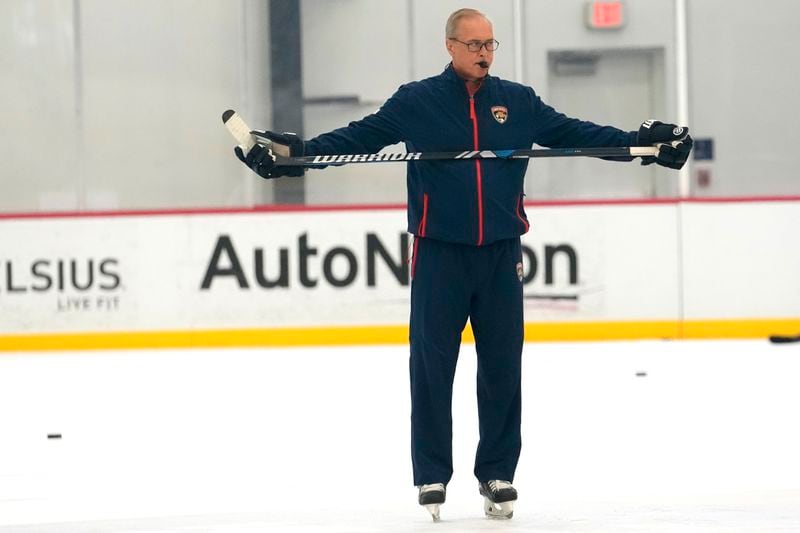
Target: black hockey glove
x=261 y=157
x=674 y=143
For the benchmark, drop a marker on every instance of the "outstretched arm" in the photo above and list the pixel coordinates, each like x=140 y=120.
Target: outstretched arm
x=556 y=130
x=370 y=134
x=365 y=136
x=553 y=129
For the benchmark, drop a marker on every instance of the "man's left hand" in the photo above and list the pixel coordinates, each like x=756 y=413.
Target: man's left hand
x=674 y=143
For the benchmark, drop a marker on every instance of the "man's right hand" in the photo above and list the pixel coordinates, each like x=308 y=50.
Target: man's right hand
x=261 y=157
x=674 y=143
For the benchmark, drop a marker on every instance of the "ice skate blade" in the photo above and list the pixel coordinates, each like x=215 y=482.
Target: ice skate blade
x=498 y=511
x=433 y=508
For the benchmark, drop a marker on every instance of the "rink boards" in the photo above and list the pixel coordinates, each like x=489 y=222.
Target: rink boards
x=591 y=271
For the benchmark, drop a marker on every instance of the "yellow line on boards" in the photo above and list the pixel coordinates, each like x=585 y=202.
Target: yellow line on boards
x=371 y=335
x=740 y=329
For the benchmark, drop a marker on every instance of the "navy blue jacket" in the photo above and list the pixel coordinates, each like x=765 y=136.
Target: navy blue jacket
x=471 y=202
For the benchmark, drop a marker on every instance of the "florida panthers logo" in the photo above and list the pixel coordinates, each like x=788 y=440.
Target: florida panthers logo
x=500 y=113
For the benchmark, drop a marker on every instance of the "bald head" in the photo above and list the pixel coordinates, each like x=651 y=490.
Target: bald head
x=463 y=27
x=451 y=28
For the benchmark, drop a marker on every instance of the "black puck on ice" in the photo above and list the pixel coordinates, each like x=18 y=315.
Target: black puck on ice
x=641 y=374
x=783 y=339
x=54 y=435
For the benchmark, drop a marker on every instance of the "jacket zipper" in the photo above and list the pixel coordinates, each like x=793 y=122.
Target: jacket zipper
x=478 y=177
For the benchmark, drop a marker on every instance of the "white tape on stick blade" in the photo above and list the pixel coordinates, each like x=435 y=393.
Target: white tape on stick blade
x=239 y=129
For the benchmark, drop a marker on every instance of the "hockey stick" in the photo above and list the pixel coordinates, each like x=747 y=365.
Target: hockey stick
x=247 y=139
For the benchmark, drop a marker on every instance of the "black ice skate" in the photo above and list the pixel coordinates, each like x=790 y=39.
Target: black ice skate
x=431 y=497
x=498 y=498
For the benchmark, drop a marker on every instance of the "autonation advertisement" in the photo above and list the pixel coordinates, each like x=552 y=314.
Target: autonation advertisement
x=310 y=268
x=323 y=275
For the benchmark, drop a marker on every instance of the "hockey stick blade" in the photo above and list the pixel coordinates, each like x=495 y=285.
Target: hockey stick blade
x=783 y=339
x=239 y=129
x=347 y=159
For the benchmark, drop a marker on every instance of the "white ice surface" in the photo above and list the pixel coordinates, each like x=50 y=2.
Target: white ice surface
x=317 y=440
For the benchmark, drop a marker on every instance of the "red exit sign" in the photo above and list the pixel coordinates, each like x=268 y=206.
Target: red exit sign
x=605 y=15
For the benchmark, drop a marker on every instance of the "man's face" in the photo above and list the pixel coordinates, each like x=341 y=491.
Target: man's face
x=466 y=63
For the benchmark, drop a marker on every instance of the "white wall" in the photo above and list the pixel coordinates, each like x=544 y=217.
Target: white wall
x=740 y=260
x=39 y=99
x=118 y=102
x=743 y=87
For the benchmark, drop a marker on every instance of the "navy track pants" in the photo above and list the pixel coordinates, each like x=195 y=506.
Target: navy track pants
x=453 y=282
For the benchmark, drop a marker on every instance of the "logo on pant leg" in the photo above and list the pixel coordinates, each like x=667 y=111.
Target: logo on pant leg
x=520 y=273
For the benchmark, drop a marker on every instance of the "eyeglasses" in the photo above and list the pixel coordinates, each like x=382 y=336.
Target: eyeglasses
x=475 y=46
